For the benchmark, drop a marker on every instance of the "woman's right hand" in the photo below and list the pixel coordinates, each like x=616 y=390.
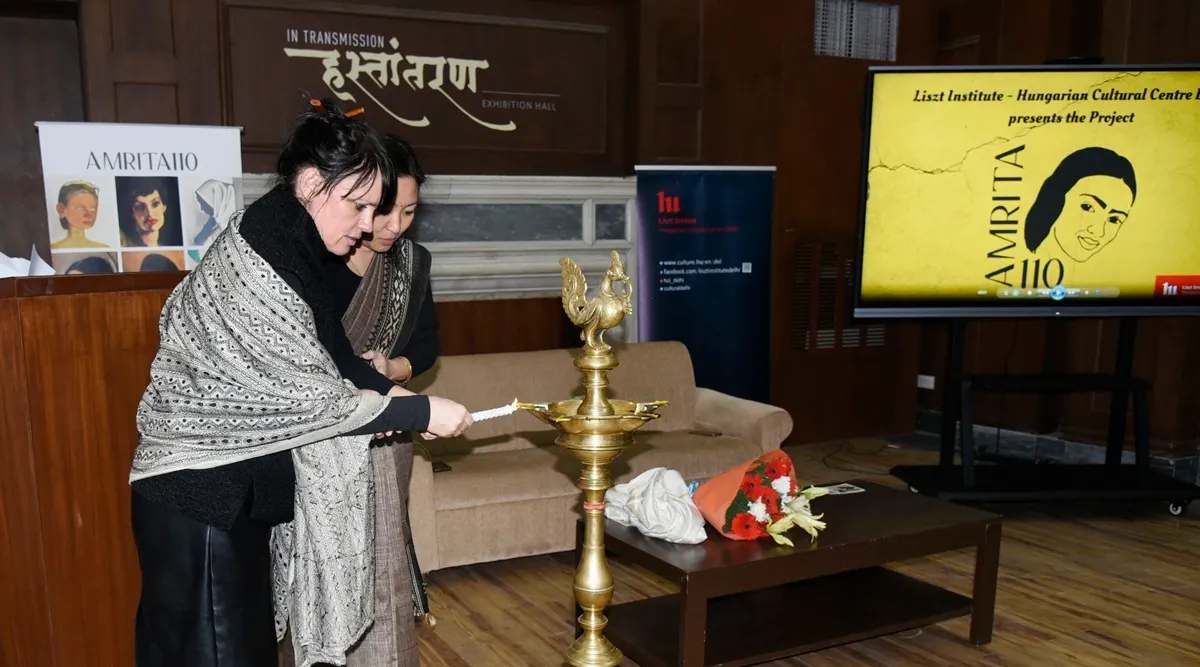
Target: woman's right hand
x=447 y=419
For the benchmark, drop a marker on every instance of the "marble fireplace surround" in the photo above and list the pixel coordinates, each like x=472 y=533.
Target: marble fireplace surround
x=500 y=237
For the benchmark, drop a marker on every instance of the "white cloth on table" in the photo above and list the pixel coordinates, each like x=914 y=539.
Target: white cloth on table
x=658 y=504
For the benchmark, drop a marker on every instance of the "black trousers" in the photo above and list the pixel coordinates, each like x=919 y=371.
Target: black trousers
x=206 y=593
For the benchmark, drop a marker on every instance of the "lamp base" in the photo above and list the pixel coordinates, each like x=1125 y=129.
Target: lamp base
x=593 y=651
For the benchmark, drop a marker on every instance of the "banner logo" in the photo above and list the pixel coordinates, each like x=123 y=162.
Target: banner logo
x=667 y=204
x=1177 y=286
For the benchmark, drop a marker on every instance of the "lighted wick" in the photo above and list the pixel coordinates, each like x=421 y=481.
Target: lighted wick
x=495 y=412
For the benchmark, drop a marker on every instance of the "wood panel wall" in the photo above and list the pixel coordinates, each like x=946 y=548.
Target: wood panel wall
x=709 y=83
x=769 y=100
x=723 y=85
x=39 y=59
x=150 y=62
x=1031 y=32
x=504 y=325
x=671 y=94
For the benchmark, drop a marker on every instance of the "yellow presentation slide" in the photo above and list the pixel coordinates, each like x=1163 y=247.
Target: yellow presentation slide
x=984 y=185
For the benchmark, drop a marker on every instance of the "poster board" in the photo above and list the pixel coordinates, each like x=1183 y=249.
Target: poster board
x=704 y=266
x=124 y=197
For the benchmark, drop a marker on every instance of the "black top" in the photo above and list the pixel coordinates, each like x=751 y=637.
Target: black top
x=279 y=229
x=423 y=347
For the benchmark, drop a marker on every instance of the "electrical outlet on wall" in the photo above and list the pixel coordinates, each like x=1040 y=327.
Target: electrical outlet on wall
x=925 y=382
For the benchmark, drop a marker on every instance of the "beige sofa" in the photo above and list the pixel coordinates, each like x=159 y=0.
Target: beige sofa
x=510 y=490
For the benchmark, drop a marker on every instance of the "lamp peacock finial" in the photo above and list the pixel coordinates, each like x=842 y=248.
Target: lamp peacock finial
x=603 y=311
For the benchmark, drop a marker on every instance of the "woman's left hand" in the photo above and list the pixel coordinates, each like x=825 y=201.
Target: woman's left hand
x=378 y=361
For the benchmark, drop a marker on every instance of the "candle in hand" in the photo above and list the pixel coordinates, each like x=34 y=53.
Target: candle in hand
x=495 y=412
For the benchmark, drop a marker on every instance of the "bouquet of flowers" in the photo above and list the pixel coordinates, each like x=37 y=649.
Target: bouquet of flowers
x=760 y=498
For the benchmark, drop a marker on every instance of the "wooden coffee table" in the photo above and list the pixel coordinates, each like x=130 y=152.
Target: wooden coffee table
x=747 y=602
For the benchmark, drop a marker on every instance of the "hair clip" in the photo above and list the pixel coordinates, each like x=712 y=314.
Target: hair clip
x=317 y=104
x=355 y=112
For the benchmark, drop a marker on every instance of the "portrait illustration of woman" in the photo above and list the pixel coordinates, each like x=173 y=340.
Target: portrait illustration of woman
x=217 y=202
x=1083 y=205
x=90 y=265
x=78 y=203
x=148 y=211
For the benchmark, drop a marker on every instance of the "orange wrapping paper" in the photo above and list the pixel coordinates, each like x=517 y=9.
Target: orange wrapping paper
x=726 y=500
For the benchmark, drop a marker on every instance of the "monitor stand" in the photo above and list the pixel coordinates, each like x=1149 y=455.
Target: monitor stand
x=1052 y=482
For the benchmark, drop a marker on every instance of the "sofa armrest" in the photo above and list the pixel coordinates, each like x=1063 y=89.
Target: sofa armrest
x=765 y=425
x=422 y=515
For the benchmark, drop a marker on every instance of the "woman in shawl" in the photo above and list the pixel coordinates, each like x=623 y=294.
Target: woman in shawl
x=391 y=321
x=217 y=204
x=252 y=506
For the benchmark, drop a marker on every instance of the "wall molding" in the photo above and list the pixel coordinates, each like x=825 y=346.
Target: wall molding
x=516 y=269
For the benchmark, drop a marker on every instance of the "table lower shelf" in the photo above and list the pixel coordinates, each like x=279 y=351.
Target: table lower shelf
x=1047 y=483
x=759 y=626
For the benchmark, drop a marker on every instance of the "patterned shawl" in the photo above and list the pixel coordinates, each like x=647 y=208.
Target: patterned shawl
x=381 y=317
x=384 y=310
x=240 y=374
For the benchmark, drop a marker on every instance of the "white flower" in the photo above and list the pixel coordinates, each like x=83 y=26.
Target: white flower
x=809 y=523
x=803 y=520
x=798 y=505
x=815 y=492
x=784 y=499
x=777 y=530
x=782 y=485
x=759 y=511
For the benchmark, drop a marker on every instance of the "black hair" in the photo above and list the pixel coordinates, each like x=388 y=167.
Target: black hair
x=404 y=159
x=157 y=262
x=339 y=147
x=92 y=265
x=1091 y=161
x=404 y=162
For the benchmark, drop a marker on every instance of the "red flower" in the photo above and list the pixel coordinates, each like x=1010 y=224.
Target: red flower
x=753 y=485
x=780 y=467
x=770 y=498
x=746 y=527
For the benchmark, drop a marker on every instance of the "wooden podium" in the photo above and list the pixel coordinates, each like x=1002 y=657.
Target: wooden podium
x=75 y=355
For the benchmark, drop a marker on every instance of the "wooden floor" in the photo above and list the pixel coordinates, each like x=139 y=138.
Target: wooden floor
x=1078 y=586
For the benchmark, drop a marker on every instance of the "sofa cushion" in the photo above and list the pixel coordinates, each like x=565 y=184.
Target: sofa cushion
x=548 y=470
x=486 y=533
x=647 y=371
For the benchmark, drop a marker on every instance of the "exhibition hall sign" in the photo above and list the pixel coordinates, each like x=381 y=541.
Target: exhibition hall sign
x=443 y=81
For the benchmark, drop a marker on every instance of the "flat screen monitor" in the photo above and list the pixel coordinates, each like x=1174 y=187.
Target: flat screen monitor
x=1030 y=192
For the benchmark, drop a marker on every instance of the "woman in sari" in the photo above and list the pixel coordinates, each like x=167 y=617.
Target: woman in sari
x=391 y=322
x=252 y=507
